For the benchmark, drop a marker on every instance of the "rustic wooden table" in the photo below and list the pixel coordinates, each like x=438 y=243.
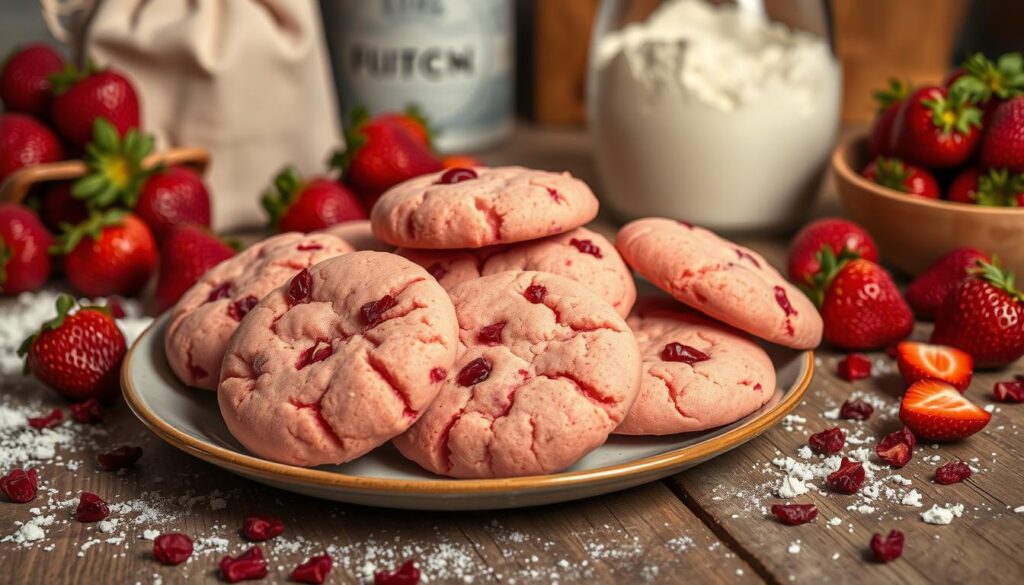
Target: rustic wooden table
x=706 y=525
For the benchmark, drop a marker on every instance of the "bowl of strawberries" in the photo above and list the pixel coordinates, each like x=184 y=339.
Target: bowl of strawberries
x=942 y=166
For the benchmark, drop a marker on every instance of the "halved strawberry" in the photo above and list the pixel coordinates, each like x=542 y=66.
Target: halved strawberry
x=923 y=361
x=936 y=411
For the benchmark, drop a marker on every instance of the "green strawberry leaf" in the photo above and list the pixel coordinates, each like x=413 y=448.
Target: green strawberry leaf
x=897 y=91
x=116 y=167
x=287 y=187
x=92 y=227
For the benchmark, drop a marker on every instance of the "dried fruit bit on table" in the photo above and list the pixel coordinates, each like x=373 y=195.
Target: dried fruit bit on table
x=407 y=574
x=795 y=514
x=848 y=479
x=91 y=508
x=897 y=447
x=1009 y=391
x=856 y=410
x=246 y=566
x=172 y=548
x=20 y=486
x=119 y=458
x=828 y=442
x=952 y=472
x=48 y=421
x=260 y=528
x=888 y=548
x=855 y=366
x=314 y=570
x=88 y=412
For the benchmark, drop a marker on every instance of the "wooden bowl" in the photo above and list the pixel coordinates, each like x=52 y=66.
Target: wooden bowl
x=911 y=231
x=18 y=184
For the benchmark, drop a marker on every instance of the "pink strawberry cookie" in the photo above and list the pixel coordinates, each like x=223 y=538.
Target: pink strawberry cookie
x=338 y=360
x=473 y=208
x=359 y=234
x=719 y=278
x=698 y=373
x=209 y=312
x=548 y=369
x=582 y=255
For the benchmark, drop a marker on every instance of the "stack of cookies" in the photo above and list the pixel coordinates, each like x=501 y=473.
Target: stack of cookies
x=501 y=338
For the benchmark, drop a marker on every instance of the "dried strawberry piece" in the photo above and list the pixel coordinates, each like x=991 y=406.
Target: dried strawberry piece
x=300 y=289
x=438 y=374
x=317 y=352
x=888 y=548
x=456 y=175
x=848 y=479
x=854 y=366
x=897 y=447
x=116 y=308
x=828 y=442
x=677 y=352
x=491 y=334
x=314 y=570
x=91 y=508
x=222 y=291
x=259 y=528
x=246 y=566
x=783 y=300
x=474 y=372
x=856 y=410
x=240 y=308
x=20 y=486
x=309 y=247
x=952 y=472
x=172 y=548
x=88 y=412
x=407 y=574
x=437 y=271
x=1009 y=391
x=586 y=247
x=48 y=421
x=535 y=293
x=373 y=311
x=795 y=514
x=119 y=458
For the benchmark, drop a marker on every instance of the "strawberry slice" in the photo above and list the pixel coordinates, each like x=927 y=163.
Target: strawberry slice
x=936 y=411
x=921 y=361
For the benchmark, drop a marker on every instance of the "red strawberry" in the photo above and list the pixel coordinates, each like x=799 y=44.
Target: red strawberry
x=297 y=205
x=1004 y=139
x=936 y=411
x=378 y=156
x=899 y=176
x=926 y=293
x=79 y=355
x=889 y=101
x=460 y=161
x=82 y=96
x=413 y=121
x=111 y=253
x=24 y=250
x=25 y=79
x=838 y=235
x=25 y=142
x=116 y=174
x=860 y=304
x=171 y=197
x=922 y=361
x=57 y=207
x=988 y=84
x=994 y=188
x=188 y=251
x=935 y=128
x=984 y=316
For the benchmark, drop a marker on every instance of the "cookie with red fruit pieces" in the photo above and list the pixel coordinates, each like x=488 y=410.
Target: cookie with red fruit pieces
x=900 y=176
x=25 y=79
x=989 y=188
x=171 y=197
x=936 y=411
x=984 y=316
x=25 y=142
x=303 y=205
x=24 y=250
x=1003 y=146
x=889 y=101
x=78 y=354
x=926 y=292
x=833 y=232
x=187 y=253
x=937 y=128
x=83 y=95
x=116 y=172
x=921 y=361
x=111 y=253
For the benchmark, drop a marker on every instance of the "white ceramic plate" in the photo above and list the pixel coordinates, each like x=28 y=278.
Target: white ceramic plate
x=190 y=420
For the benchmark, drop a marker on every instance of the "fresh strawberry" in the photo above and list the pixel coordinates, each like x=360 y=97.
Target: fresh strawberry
x=58 y=207
x=111 y=253
x=116 y=174
x=835 y=233
x=889 y=101
x=992 y=188
x=25 y=79
x=81 y=96
x=1004 y=138
x=171 y=197
x=936 y=411
x=922 y=361
x=900 y=176
x=413 y=121
x=299 y=205
x=984 y=316
x=988 y=84
x=79 y=355
x=25 y=142
x=24 y=250
x=926 y=293
x=860 y=304
x=378 y=156
x=935 y=128
x=188 y=251
x=460 y=161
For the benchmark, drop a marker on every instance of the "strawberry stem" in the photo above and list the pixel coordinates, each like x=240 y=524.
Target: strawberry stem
x=829 y=266
x=997 y=277
x=285 y=190
x=892 y=173
x=116 y=172
x=92 y=227
x=999 y=188
x=953 y=113
x=983 y=79
x=897 y=91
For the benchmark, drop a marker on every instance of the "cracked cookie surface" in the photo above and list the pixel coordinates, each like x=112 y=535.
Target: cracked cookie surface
x=500 y=205
x=208 y=313
x=336 y=362
x=546 y=370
